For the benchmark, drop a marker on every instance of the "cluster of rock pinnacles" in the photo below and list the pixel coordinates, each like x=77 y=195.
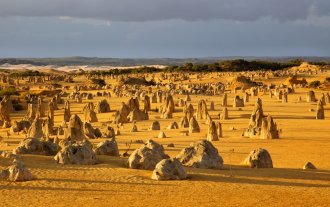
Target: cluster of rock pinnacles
x=41 y=134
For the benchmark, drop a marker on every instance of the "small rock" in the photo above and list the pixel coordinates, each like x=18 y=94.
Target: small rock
x=134 y=128
x=169 y=169
x=170 y=145
x=201 y=154
x=107 y=147
x=259 y=158
x=161 y=135
x=16 y=173
x=117 y=132
x=147 y=156
x=309 y=166
x=77 y=153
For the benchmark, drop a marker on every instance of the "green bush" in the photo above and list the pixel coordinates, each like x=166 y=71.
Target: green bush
x=56 y=85
x=98 y=81
x=26 y=73
x=8 y=92
x=314 y=84
x=18 y=107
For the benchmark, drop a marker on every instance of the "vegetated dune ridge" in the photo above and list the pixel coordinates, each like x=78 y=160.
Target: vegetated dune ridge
x=59 y=69
x=111 y=183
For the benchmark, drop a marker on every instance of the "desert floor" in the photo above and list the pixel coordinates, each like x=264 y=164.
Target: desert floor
x=111 y=183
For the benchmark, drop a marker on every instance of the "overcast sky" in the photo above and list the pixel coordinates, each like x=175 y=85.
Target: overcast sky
x=164 y=28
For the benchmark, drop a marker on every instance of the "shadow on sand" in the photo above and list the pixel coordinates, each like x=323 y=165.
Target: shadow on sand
x=275 y=176
x=293 y=117
x=66 y=189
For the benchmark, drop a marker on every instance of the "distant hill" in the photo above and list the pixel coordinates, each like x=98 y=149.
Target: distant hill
x=120 y=62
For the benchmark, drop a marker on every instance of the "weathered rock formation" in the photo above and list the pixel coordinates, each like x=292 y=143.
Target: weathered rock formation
x=269 y=129
x=285 y=97
x=246 y=97
x=201 y=154
x=32 y=111
x=184 y=122
x=47 y=127
x=309 y=166
x=212 y=134
x=202 y=111
x=35 y=129
x=138 y=115
x=219 y=130
x=77 y=153
x=109 y=132
x=89 y=113
x=16 y=173
x=255 y=120
x=122 y=114
x=224 y=114
x=238 y=102
x=18 y=126
x=102 y=106
x=173 y=125
x=212 y=106
x=146 y=103
x=91 y=132
x=310 y=96
x=5 y=110
x=133 y=103
x=37 y=147
x=188 y=110
x=320 y=110
x=134 y=128
x=193 y=126
x=161 y=135
x=259 y=158
x=107 y=147
x=147 y=156
x=167 y=109
x=67 y=113
x=155 y=125
x=169 y=169
x=224 y=100
x=75 y=130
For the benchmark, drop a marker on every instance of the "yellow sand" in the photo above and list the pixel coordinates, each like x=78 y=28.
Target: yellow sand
x=112 y=184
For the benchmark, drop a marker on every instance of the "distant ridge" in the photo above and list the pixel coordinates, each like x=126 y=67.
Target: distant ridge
x=120 y=62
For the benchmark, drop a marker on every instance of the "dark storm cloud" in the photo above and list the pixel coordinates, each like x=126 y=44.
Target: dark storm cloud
x=153 y=10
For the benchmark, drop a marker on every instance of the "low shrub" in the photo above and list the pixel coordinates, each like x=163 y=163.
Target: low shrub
x=18 y=107
x=314 y=84
x=8 y=92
